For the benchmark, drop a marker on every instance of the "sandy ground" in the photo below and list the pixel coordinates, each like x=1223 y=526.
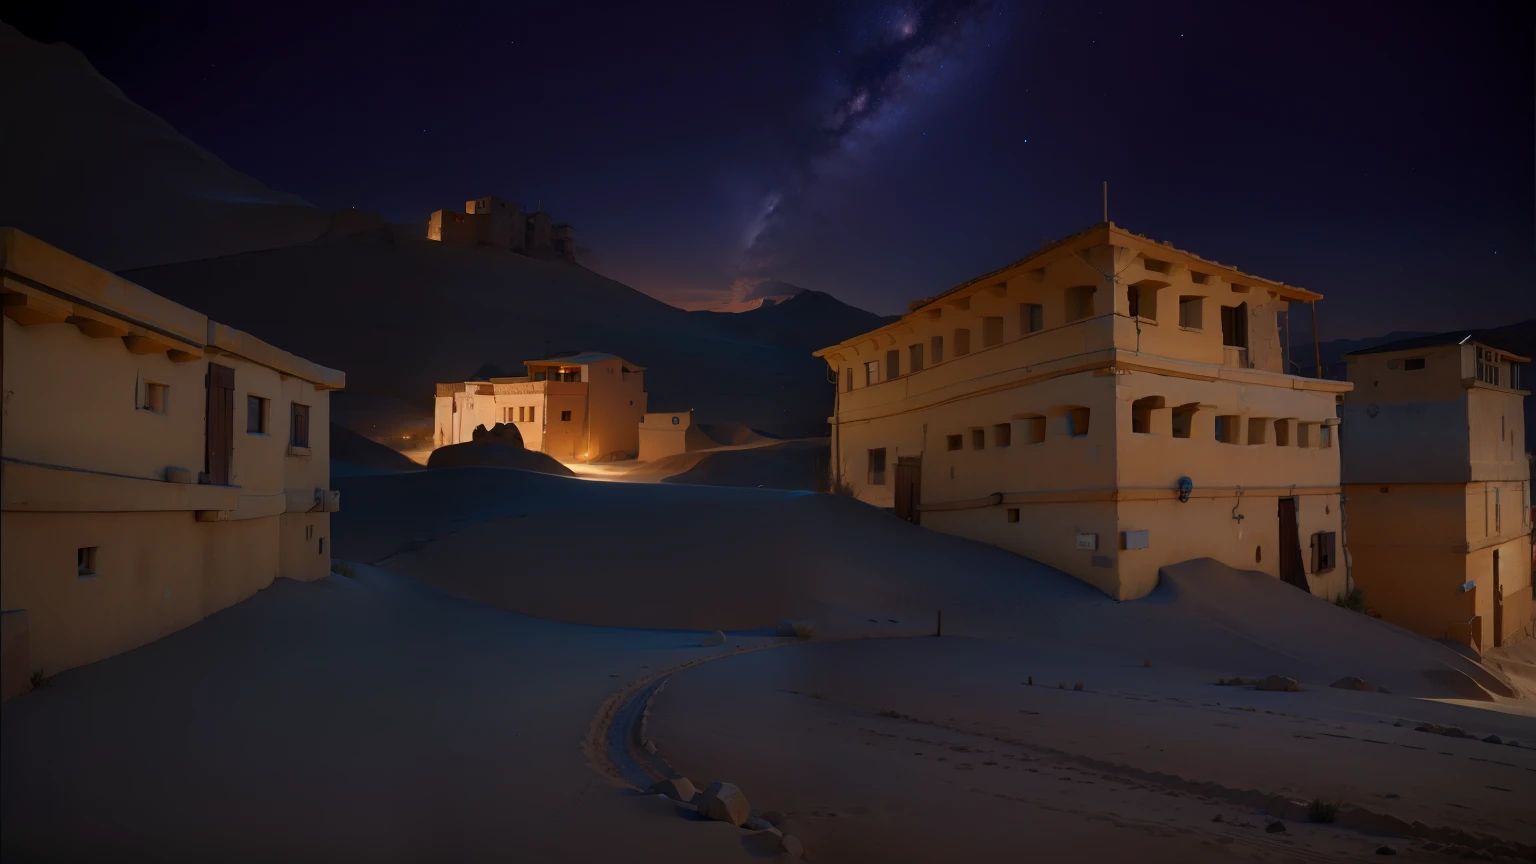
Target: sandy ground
x=377 y=717
x=366 y=719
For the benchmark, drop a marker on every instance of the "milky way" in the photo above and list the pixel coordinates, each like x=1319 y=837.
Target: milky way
x=893 y=57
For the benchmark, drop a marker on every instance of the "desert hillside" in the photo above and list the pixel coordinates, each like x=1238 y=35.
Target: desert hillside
x=86 y=169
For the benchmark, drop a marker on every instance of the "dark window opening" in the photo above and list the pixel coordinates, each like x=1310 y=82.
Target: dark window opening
x=85 y=561
x=298 y=426
x=877 y=467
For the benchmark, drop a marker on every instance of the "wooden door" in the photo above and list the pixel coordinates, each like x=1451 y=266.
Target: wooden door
x=1498 y=602
x=219 y=447
x=909 y=488
x=1292 y=568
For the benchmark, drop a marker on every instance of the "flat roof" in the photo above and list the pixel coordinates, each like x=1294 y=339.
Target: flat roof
x=582 y=358
x=1436 y=340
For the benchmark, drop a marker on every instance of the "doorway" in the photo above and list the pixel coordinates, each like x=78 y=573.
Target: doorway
x=1498 y=602
x=909 y=488
x=219 y=431
x=1292 y=569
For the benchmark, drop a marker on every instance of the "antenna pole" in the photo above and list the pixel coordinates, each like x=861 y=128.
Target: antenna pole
x=1317 y=347
x=1106 y=200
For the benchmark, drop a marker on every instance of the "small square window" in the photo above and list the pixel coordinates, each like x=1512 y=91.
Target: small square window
x=991 y=331
x=1325 y=437
x=255 y=415
x=978 y=439
x=953 y=442
x=1077 y=422
x=1002 y=434
x=1413 y=363
x=1013 y=514
x=877 y=467
x=1192 y=312
x=1031 y=317
x=871 y=373
x=531 y=411
x=565 y=416
x=85 y=561
x=156 y=396
x=1034 y=430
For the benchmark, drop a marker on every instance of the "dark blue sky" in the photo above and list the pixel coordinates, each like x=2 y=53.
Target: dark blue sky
x=1381 y=153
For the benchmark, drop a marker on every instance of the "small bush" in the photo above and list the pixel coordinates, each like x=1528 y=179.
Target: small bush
x=1077 y=686
x=1353 y=601
x=39 y=680
x=829 y=483
x=342 y=568
x=1322 y=811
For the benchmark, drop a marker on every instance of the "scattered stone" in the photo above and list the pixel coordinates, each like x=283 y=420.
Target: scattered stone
x=676 y=788
x=790 y=845
x=1279 y=684
x=1235 y=682
x=1352 y=683
x=1386 y=850
x=773 y=817
x=723 y=802
x=650 y=747
x=1217 y=818
x=1493 y=739
x=1275 y=827
x=1511 y=743
x=758 y=823
x=713 y=639
x=799 y=627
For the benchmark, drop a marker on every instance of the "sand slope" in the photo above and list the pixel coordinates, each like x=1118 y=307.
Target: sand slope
x=84 y=168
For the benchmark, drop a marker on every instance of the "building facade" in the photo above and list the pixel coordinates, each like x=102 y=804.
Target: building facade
x=158 y=466
x=492 y=221
x=1107 y=405
x=576 y=408
x=1438 y=487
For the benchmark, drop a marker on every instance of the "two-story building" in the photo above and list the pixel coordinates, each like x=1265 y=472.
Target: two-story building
x=1438 y=487
x=1107 y=405
x=157 y=466
x=576 y=408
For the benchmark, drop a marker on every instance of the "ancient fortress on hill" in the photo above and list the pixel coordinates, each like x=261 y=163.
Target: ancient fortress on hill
x=492 y=221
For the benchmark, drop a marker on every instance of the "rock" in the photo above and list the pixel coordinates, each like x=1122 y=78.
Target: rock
x=1493 y=739
x=1279 y=684
x=800 y=627
x=1235 y=682
x=1275 y=827
x=1456 y=732
x=790 y=845
x=713 y=639
x=758 y=823
x=774 y=817
x=1217 y=818
x=723 y=802
x=501 y=433
x=1511 y=743
x=676 y=788
x=1386 y=850
x=1353 y=683
x=650 y=747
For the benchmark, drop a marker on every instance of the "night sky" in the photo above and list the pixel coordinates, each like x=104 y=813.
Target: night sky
x=1381 y=153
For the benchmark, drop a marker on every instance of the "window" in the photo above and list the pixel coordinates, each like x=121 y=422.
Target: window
x=1258 y=429
x=1077 y=422
x=978 y=439
x=1031 y=318
x=1304 y=434
x=848 y=380
x=1413 y=363
x=1034 y=429
x=962 y=341
x=877 y=467
x=1141 y=414
x=1184 y=420
x=953 y=442
x=1002 y=434
x=298 y=426
x=1079 y=303
x=915 y=357
x=1192 y=312
x=255 y=415
x=892 y=364
x=936 y=348
x=1324 y=552
x=871 y=372
x=1227 y=428
x=1282 y=433
x=1013 y=514
x=531 y=411
x=1143 y=301
x=1325 y=437
x=155 y=397
x=565 y=416
x=1234 y=326
x=85 y=561
x=991 y=331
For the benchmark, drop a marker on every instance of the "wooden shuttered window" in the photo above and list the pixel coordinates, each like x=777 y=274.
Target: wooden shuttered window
x=298 y=426
x=219 y=431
